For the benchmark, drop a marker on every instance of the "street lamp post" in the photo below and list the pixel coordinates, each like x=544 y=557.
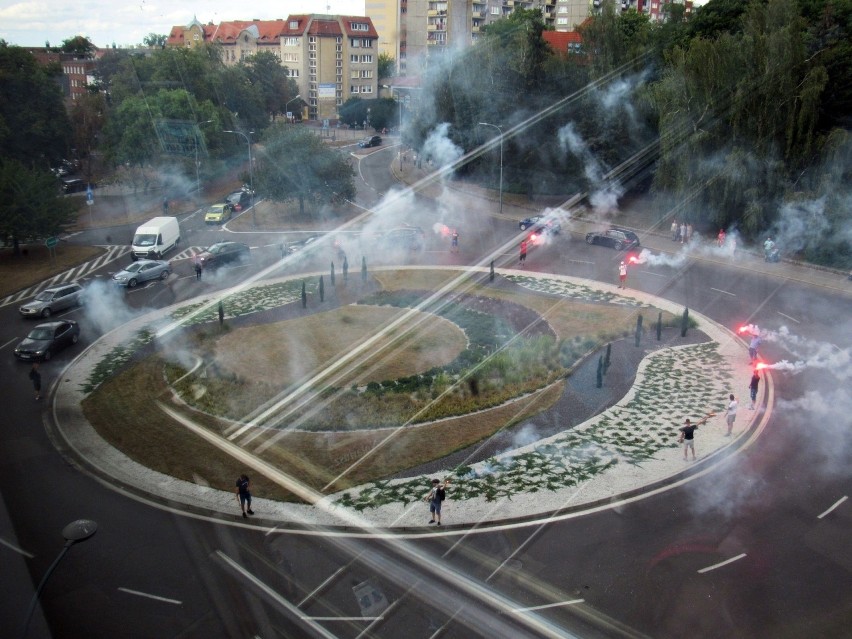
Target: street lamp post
x=251 y=169
x=287 y=106
x=76 y=531
x=197 y=174
x=501 y=159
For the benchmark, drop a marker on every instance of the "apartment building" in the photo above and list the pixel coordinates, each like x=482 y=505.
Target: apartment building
x=331 y=58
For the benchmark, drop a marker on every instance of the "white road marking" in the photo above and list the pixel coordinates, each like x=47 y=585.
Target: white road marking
x=553 y=605
x=718 y=290
x=305 y=618
x=833 y=506
x=155 y=597
x=16 y=549
x=14 y=339
x=722 y=563
x=655 y=274
x=788 y=317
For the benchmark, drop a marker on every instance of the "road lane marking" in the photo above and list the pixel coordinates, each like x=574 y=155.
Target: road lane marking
x=652 y=273
x=16 y=549
x=722 y=563
x=305 y=618
x=570 y=602
x=833 y=506
x=14 y=339
x=149 y=596
x=718 y=290
x=788 y=317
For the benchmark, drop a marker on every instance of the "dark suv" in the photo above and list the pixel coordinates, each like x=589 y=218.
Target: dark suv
x=225 y=253
x=373 y=140
x=617 y=238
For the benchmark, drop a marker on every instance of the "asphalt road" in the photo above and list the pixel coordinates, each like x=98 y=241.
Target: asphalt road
x=751 y=549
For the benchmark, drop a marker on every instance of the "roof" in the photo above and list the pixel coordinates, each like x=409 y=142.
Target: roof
x=560 y=41
x=271 y=30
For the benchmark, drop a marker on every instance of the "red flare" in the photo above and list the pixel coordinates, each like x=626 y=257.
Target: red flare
x=743 y=329
x=760 y=366
x=633 y=259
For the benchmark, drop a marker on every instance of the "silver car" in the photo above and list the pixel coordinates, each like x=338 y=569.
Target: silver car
x=142 y=271
x=53 y=299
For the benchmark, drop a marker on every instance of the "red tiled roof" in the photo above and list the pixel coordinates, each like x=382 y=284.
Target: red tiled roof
x=271 y=30
x=322 y=27
x=559 y=40
x=346 y=20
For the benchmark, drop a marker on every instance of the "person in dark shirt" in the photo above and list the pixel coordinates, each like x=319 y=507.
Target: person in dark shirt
x=687 y=436
x=244 y=495
x=752 y=387
x=35 y=376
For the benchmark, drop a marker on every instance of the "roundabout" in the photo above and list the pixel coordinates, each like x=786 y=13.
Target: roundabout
x=564 y=459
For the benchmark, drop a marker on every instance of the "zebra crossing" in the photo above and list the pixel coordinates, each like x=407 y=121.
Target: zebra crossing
x=77 y=273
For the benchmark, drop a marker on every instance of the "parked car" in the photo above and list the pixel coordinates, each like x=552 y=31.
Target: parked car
x=219 y=213
x=76 y=185
x=50 y=300
x=142 y=271
x=409 y=237
x=239 y=200
x=617 y=238
x=541 y=223
x=370 y=140
x=223 y=253
x=46 y=339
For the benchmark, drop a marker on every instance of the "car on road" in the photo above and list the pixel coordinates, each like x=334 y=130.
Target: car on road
x=76 y=185
x=411 y=238
x=239 y=200
x=614 y=237
x=142 y=271
x=219 y=213
x=223 y=253
x=541 y=223
x=53 y=299
x=46 y=339
x=370 y=140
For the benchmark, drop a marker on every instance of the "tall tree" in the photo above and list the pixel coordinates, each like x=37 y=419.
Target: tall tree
x=155 y=40
x=271 y=80
x=30 y=206
x=33 y=123
x=296 y=165
x=78 y=45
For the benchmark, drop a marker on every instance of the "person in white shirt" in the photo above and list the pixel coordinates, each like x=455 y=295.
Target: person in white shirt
x=731 y=415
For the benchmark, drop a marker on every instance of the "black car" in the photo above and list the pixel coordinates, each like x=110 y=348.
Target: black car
x=372 y=140
x=541 y=223
x=76 y=185
x=223 y=253
x=46 y=339
x=617 y=238
x=239 y=200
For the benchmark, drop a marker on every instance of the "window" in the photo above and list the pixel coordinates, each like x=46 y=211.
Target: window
x=495 y=11
x=353 y=75
x=294 y=24
x=561 y=20
x=355 y=44
x=292 y=73
x=312 y=39
x=359 y=26
x=367 y=89
x=367 y=59
x=354 y=88
x=353 y=58
x=562 y=9
x=290 y=57
x=291 y=42
x=367 y=74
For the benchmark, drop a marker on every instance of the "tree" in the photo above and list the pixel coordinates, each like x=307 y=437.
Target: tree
x=30 y=207
x=387 y=65
x=297 y=165
x=88 y=116
x=80 y=46
x=34 y=127
x=275 y=87
x=155 y=40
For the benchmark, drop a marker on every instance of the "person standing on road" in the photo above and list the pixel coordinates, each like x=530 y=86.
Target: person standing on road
x=683 y=233
x=752 y=387
x=687 y=436
x=35 y=376
x=197 y=261
x=523 y=252
x=731 y=414
x=752 y=348
x=455 y=241
x=435 y=497
x=165 y=205
x=675 y=229
x=622 y=275
x=244 y=495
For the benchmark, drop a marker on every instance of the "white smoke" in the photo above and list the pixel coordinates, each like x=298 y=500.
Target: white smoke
x=105 y=305
x=439 y=149
x=809 y=353
x=800 y=225
x=604 y=196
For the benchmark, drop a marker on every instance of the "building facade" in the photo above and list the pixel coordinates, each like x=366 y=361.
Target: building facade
x=331 y=58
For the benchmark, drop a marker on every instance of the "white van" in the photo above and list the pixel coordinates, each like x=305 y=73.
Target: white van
x=155 y=237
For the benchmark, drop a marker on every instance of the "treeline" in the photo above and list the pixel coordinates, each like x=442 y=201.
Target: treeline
x=735 y=118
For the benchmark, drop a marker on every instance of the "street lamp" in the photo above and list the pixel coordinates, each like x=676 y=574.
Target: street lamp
x=287 y=106
x=78 y=530
x=501 y=159
x=197 y=176
x=251 y=168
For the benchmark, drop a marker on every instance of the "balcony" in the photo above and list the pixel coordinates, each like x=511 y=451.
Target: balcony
x=477 y=14
x=432 y=12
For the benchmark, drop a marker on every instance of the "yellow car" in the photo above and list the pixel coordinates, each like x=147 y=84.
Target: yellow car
x=218 y=214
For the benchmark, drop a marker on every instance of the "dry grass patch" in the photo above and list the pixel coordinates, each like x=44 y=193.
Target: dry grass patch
x=22 y=271
x=128 y=419
x=283 y=353
x=417 y=280
x=277 y=216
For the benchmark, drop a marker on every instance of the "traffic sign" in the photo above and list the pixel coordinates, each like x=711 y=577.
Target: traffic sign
x=51 y=242
x=90 y=197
